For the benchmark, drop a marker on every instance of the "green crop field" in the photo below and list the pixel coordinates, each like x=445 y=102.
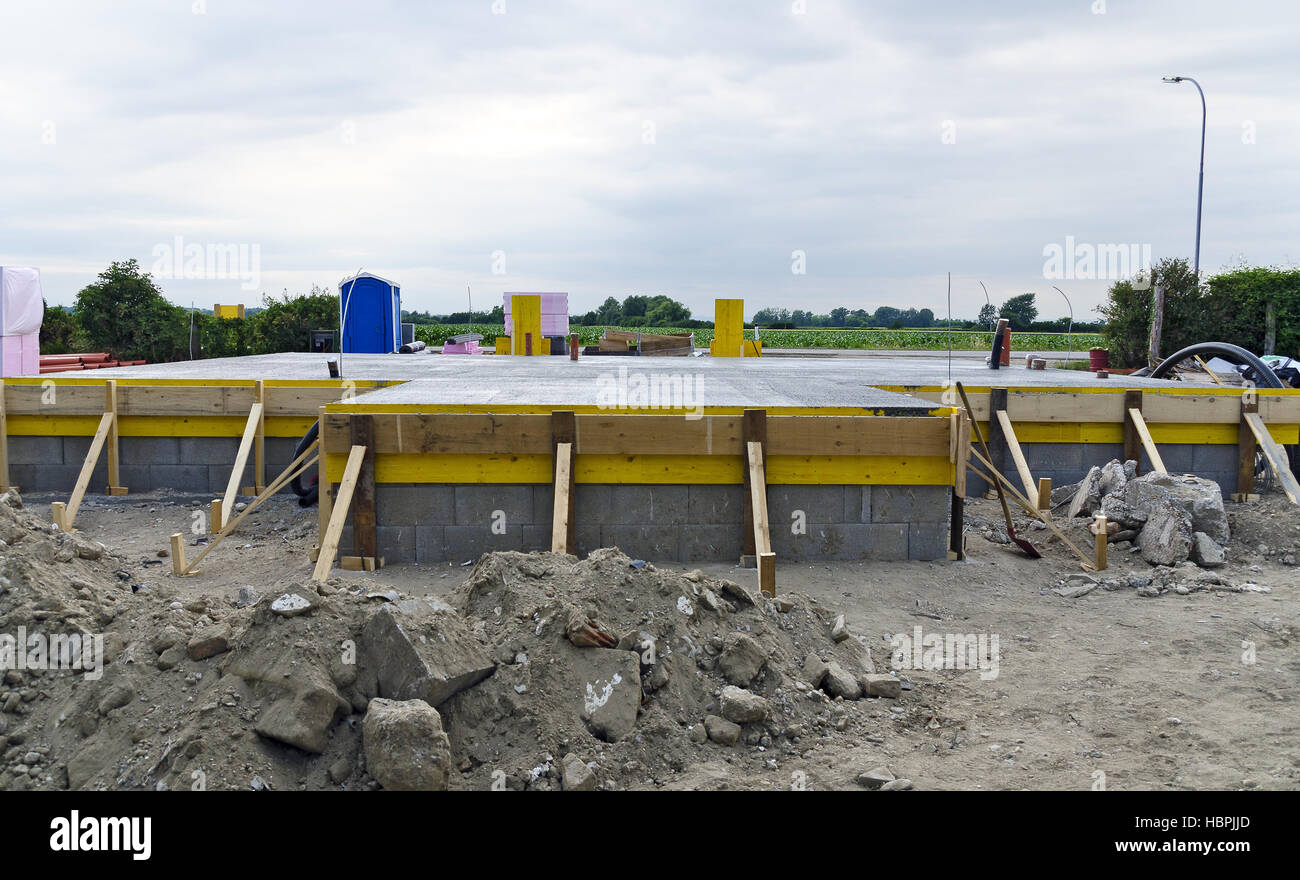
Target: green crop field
x=912 y=340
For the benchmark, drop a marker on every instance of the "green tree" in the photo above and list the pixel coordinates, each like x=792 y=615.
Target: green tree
x=988 y=316
x=665 y=312
x=1020 y=311
x=1128 y=308
x=634 y=305
x=124 y=313
x=609 y=312
x=839 y=316
x=285 y=324
x=60 y=332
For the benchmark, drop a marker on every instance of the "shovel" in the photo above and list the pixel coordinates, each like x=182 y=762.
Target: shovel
x=1030 y=550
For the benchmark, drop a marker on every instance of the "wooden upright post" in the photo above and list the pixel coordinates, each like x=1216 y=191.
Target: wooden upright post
x=365 y=537
x=115 y=486
x=259 y=444
x=564 y=437
x=1132 y=443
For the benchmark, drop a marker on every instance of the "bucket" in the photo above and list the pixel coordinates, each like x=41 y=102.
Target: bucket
x=1098 y=359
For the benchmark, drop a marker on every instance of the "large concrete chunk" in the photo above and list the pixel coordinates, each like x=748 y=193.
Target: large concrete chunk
x=1166 y=539
x=405 y=745
x=611 y=690
x=1202 y=500
x=420 y=649
x=742 y=706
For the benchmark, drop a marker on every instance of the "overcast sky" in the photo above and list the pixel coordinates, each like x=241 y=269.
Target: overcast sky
x=686 y=148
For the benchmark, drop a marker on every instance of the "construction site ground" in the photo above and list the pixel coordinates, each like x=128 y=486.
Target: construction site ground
x=1113 y=688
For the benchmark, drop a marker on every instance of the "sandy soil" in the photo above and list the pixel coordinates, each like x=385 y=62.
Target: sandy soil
x=1111 y=687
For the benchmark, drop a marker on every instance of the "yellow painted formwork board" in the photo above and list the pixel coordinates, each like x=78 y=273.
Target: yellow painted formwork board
x=728 y=328
x=526 y=316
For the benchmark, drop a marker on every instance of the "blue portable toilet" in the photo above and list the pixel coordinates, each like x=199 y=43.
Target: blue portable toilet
x=370 y=313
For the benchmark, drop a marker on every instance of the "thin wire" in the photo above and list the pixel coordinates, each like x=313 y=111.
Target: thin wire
x=949 y=328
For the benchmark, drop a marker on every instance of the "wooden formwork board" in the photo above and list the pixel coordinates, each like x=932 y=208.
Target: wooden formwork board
x=628 y=435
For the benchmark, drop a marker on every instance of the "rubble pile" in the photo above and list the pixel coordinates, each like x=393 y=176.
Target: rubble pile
x=541 y=672
x=1169 y=518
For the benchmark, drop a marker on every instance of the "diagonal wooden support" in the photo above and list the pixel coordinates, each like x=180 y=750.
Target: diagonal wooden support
x=306 y=459
x=1140 y=425
x=562 y=516
x=241 y=460
x=758 y=511
x=1018 y=456
x=65 y=515
x=329 y=547
x=115 y=486
x=1275 y=454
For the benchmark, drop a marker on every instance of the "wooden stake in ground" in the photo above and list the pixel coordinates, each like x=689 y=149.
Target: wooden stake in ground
x=1100 y=527
x=178 y=555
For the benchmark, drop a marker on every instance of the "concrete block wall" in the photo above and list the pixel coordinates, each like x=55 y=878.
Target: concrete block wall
x=444 y=523
x=185 y=464
x=1068 y=463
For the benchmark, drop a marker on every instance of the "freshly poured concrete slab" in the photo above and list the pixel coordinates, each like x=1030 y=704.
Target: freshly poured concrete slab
x=703 y=381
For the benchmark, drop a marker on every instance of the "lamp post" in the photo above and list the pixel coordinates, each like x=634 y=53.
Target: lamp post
x=1200 y=183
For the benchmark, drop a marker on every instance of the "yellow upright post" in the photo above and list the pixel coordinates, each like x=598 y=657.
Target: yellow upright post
x=728 y=328
x=526 y=315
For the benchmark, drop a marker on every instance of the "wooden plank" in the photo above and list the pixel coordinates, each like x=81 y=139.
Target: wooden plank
x=1276 y=456
x=115 y=486
x=957 y=528
x=962 y=431
x=365 y=533
x=4 y=441
x=330 y=545
x=1246 y=448
x=997 y=442
x=856 y=435
x=562 y=516
x=69 y=511
x=1017 y=456
x=1044 y=493
x=259 y=444
x=1132 y=442
x=1135 y=415
x=564 y=431
x=323 y=495
x=1101 y=529
x=659 y=434
x=753 y=430
x=241 y=460
x=758 y=499
x=216 y=516
x=767 y=573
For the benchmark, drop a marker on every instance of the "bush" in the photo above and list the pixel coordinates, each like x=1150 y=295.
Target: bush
x=285 y=324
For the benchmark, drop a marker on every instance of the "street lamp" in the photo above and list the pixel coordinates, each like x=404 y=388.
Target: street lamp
x=1200 y=183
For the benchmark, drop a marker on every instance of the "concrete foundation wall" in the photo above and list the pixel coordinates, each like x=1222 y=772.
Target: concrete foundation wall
x=441 y=523
x=1068 y=463
x=186 y=464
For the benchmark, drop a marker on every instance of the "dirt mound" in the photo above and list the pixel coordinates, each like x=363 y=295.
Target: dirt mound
x=545 y=672
x=698 y=664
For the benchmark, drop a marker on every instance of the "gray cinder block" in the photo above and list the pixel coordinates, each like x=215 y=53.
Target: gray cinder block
x=476 y=506
x=715 y=505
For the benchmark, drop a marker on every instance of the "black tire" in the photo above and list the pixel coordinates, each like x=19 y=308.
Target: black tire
x=307 y=495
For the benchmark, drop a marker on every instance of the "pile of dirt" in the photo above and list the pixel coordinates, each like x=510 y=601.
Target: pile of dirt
x=544 y=672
